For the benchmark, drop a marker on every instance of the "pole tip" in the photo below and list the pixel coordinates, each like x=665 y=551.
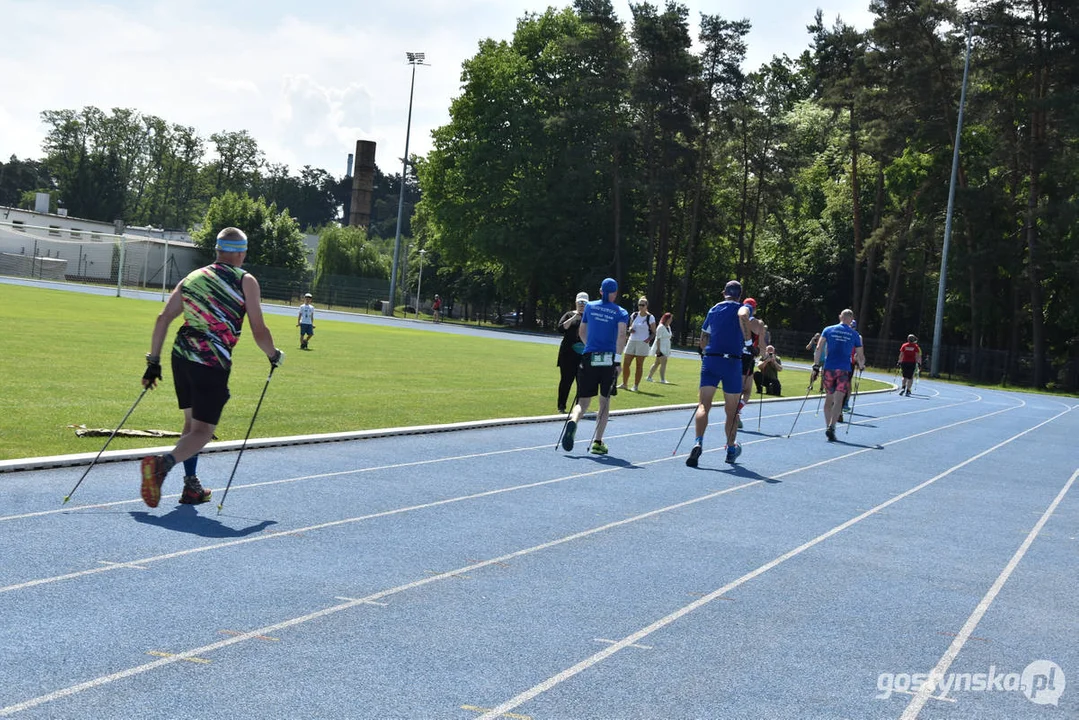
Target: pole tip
x=66 y=498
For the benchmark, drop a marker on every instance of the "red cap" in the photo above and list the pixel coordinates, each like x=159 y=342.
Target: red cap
x=751 y=302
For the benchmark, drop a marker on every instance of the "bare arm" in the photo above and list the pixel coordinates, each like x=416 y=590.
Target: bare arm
x=859 y=356
x=819 y=350
x=703 y=342
x=253 y=304
x=173 y=309
x=622 y=337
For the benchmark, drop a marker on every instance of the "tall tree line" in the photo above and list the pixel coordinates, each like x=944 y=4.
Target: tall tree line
x=141 y=169
x=584 y=146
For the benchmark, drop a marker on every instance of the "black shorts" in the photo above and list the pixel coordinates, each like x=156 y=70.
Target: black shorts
x=202 y=388
x=749 y=364
x=908 y=370
x=592 y=381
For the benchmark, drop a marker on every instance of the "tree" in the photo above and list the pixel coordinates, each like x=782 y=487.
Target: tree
x=346 y=251
x=273 y=237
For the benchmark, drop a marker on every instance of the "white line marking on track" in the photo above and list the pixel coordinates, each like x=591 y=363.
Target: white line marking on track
x=938 y=672
x=602 y=655
x=360 y=601
x=132 y=566
x=76 y=509
x=472 y=566
x=612 y=642
x=461 y=498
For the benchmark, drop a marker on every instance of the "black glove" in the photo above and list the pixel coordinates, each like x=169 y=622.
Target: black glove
x=278 y=359
x=153 y=371
x=815 y=375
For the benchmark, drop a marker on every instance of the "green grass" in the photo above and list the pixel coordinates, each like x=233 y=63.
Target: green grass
x=71 y=358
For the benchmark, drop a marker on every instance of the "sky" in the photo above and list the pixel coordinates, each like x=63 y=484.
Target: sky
x=306 y=79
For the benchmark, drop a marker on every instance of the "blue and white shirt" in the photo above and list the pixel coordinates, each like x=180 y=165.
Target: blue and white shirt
x=602 y=319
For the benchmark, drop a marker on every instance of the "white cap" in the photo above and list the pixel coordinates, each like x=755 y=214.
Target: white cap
x=582 y=297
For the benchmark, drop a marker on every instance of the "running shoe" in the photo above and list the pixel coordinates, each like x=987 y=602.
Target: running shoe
x=733 y=451
x=908 y=393
x=598 y=448
x=567 y=436
x=694 y=456
x=830 y=433
x=194 y=493
x=648 y=379
x=153 y=475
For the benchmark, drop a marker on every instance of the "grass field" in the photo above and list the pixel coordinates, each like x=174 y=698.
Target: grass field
x=72 y=359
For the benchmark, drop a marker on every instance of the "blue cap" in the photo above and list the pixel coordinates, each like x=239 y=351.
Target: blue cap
x=853 y=324
x=232 y=244
x=608 y=286
x=733 y=289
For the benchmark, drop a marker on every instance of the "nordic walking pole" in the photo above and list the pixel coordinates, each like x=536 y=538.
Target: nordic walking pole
x=917 y=377
x=242 y=446
x=760 y=410
x=691 y=419
x=566 y=423
x=853 y=400
x=808 y=390
x=820 y=398
x=84 y=474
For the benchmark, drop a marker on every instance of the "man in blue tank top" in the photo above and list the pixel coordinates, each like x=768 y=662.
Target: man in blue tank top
x=724 y=337
x=603 y=332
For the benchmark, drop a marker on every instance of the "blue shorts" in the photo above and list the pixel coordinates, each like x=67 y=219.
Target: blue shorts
x=307 y=329
x=716 y=371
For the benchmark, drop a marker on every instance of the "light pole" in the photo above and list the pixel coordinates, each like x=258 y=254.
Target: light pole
x=938 y=323
x=419 y=284
x=414 y=59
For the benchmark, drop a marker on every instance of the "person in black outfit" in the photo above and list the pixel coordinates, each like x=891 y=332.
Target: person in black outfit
x=569 y=357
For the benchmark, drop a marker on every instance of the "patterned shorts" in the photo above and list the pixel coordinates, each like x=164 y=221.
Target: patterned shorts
x=837 y=381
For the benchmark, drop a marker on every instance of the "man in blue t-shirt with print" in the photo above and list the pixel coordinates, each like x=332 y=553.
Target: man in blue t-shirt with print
x=603 y=332
x=839 y=341
x=724 y=337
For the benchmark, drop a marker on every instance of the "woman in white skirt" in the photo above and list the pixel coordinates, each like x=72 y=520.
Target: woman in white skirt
x=661 y=349
x=642 y=328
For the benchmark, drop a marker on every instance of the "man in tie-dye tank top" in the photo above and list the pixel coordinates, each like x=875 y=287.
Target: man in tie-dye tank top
x=213 y=301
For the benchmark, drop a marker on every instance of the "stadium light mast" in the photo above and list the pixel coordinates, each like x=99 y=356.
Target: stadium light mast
x=938 y=322
x=414 y=59
x=419 y=284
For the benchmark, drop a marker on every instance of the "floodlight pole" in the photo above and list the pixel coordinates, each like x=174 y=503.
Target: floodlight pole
x=414 y=59
x=164 y=265
x=419 y=284
x=938 y=323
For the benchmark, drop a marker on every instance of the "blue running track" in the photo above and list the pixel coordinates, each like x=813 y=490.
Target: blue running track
x=483 y=573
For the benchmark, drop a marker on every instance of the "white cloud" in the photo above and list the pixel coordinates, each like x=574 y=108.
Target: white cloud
x=307 y=83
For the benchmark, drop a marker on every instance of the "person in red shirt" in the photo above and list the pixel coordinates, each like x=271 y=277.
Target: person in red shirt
x=910 y=357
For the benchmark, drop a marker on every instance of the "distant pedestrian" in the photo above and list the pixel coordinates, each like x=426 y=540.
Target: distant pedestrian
x=839 y=341
x=642 y=329
x=213 y=301
x=570 y=349
x=724 y=337
x=603 y=332
x=910 y=357
x=305 y=320
x=661 y=349
x=436 y=309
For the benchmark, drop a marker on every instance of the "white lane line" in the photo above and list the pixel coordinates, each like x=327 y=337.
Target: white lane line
x=374 y=597
x=602 y=655
x=941 y=669
x=367 y=600
x=612 y=642
x=432 y=461
x=115 y=565
x=438 y=503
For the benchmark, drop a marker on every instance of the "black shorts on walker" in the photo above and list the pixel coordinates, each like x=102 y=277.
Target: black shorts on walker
x=595 y=380
x=202 y=388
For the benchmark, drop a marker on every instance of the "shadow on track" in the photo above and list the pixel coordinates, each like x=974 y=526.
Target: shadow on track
x=740 y=471
x=186 y=519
